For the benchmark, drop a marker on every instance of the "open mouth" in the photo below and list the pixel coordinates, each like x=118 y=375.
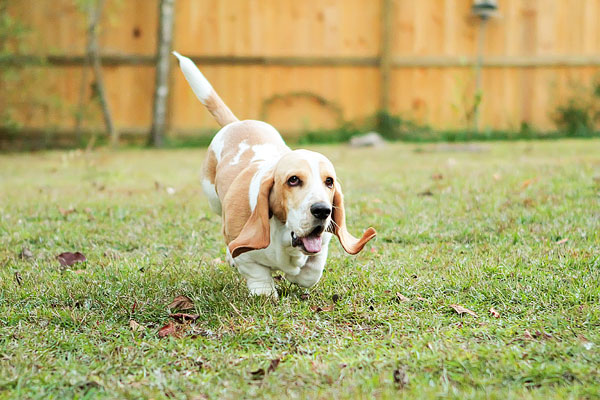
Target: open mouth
x=310 y=243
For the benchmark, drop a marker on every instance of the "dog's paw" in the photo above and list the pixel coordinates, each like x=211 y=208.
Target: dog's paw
x=263 y=290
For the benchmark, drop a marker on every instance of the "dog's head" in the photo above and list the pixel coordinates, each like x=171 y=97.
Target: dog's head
x=303 y=193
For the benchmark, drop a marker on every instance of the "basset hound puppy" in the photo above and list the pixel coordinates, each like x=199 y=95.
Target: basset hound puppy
x=280 y=207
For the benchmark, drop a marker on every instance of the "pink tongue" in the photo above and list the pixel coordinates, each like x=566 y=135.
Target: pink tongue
x=312 y=244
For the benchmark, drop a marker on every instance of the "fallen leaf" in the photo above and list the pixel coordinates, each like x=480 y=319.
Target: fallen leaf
x=304 y=296
x=462 y=310
x=528 y=202
x=494 y=313
x=528 y=182
x=67 y=211
x=89 y=214
x=527 y=335
x=321 y=309
x=258 y=374
x=400 y=377
x=181 y=303
x=437 y=177
x=18 y=278
x=25 y=253
x=134 y=326
x=67 y=259
x=182 y=318
x=273 y=365
x=401 y=297
x=425 y=193
x=544 y=335
x=561 y=241
x=169 y=329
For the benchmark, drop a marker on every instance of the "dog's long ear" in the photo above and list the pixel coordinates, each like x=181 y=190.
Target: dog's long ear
x=256 y=233
x=351 y=244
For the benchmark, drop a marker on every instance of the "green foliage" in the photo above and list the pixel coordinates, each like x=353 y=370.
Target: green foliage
x=580 y=116
x=12 y=33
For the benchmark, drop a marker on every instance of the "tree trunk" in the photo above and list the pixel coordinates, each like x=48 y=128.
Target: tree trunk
x=161 y=91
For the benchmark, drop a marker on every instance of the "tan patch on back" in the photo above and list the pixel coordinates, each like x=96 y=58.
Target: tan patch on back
x=209 y=169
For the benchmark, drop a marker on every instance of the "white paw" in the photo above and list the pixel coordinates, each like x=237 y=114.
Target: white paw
x=265 y=289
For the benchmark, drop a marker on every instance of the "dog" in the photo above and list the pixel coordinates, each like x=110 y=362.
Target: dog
x=279 y=207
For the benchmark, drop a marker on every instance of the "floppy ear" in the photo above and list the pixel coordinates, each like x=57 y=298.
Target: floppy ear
x=351 y=244
x=256 y=233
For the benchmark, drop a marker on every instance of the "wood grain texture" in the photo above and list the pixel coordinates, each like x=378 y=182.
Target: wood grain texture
x=537 y=52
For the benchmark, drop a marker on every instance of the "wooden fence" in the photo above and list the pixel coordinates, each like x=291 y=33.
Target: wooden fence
x=308 y=64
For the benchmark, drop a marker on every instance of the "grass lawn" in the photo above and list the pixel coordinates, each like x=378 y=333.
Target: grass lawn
x=512 y=226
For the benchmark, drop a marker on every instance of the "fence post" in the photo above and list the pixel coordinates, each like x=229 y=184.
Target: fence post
x=163 y=62
x=385 y=55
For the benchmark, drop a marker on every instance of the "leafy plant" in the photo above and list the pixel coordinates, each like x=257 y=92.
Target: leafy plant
x=580 y=116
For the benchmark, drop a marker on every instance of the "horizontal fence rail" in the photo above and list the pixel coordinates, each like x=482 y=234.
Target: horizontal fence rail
x=350 y=59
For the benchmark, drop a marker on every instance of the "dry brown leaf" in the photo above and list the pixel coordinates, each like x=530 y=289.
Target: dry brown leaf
x=273 y=365
x=168 y=330
x=462 y=310
x=181 y=302
x=528 y=182
x=182 y=318
x=527 y=335
x=89 y=213
x=561 y=241
x=494 y=313
x=25 y=253
x=135 y=326
x=18 y=278
x=321 y=309
x=66 y=212
x=544 y=335
x=258 y=374
x=401 y=297
x=400 y=377
x=67 y=259
x=437 y=177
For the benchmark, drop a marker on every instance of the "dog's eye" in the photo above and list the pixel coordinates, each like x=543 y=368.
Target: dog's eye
x=329 y=182
x=294 y=181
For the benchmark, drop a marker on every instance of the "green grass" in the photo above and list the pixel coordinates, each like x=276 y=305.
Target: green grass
x=489 y=233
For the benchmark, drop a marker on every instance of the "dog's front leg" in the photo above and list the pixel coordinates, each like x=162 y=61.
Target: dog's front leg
x=312 y=271
x=258 y=278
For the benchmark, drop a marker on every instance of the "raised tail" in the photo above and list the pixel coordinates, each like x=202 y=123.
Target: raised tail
x=205 y=92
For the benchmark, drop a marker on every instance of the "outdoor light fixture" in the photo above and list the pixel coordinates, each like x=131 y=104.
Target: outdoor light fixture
x=484 y=8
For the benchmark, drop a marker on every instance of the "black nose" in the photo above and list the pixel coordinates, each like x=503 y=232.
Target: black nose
x=320 y=210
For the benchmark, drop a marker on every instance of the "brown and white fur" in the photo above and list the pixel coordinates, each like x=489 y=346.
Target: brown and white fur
x=279 y=207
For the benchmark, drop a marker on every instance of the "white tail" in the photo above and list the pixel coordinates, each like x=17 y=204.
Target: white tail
x=204 y=91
